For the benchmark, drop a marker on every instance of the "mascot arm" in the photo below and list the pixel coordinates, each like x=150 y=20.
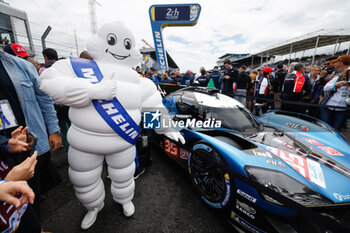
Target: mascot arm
x=60 y=82
x=152 y=101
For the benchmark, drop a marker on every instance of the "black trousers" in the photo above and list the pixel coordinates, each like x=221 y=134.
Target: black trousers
x=29 y=222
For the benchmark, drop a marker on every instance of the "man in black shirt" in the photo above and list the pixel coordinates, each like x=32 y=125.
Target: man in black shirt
x=277 y=84
x=230 y=76
x=243 y=82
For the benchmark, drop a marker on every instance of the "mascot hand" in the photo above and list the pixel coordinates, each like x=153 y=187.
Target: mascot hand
x=104 y=90
x=176 y=136
x=77 y=95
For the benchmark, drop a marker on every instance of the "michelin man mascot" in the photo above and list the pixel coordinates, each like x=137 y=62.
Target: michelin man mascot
x=106 y=98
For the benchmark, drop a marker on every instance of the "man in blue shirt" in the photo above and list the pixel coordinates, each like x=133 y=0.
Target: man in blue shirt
x=154 y=75
x=187 y=79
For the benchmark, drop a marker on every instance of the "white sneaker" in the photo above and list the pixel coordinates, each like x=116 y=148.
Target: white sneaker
x=128 y=209
x=90 y=217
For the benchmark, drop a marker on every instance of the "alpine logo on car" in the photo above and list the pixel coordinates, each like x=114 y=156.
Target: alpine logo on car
x=341 y=197
x=245 y=209
x=246 y=196
x=302 y=128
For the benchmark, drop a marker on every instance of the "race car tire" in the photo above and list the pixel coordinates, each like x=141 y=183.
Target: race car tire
x=210 y=175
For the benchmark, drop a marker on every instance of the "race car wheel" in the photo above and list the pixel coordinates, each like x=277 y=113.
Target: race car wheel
x=209 y=175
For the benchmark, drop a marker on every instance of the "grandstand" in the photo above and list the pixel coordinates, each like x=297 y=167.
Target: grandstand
x=313 y=40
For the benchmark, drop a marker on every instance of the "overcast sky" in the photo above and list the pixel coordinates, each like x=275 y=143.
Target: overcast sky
x=224 y=26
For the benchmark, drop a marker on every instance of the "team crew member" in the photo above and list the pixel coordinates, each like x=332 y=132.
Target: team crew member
x=203 y=80
x=230 y=76
x=293 y=87
x=187 y=79
x=217 y=77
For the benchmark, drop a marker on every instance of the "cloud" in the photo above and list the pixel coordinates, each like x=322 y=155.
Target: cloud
x=177 y=39
x=225 y=26
x=237 y=38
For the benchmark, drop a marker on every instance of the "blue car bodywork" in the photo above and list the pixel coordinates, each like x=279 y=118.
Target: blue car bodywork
x=294 y=155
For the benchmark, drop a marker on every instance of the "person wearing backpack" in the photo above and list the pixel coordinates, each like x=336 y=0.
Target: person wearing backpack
x=295 y=85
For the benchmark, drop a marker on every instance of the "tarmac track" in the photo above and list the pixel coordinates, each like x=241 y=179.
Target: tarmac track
x=165 y=202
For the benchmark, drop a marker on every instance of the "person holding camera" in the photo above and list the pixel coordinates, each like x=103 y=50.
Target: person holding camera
x=337 y=95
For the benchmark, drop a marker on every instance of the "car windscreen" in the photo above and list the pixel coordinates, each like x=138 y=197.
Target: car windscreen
x=202 y=106
x=236 y=118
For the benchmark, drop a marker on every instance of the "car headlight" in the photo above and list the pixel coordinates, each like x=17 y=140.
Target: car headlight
x=286 y=186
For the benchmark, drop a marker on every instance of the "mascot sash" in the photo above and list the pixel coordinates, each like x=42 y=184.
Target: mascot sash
x=111 y=111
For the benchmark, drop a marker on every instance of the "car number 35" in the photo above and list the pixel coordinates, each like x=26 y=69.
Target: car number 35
x=171 y=148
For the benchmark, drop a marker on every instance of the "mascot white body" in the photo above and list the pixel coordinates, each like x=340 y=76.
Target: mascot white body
x=91 y=139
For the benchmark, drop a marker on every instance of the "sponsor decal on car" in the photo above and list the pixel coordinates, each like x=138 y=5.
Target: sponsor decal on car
x=228 y=190
x=341 y=197
x=275 y=163
x=293 y=125
x=264 y=154
x=171 y=148
x=246 y=196
x=308 y=168
x=313 y=141
x=184 y=154
x=246 y=224
x=330 y=150
x=245 y=209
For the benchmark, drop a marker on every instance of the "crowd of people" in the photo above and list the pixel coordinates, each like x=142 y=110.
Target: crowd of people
x=294 y=88
x=319 y=91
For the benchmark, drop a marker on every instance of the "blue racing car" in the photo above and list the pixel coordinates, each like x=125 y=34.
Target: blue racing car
x=280 y=172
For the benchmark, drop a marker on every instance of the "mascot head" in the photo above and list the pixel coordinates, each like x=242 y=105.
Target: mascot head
x=114 y=43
